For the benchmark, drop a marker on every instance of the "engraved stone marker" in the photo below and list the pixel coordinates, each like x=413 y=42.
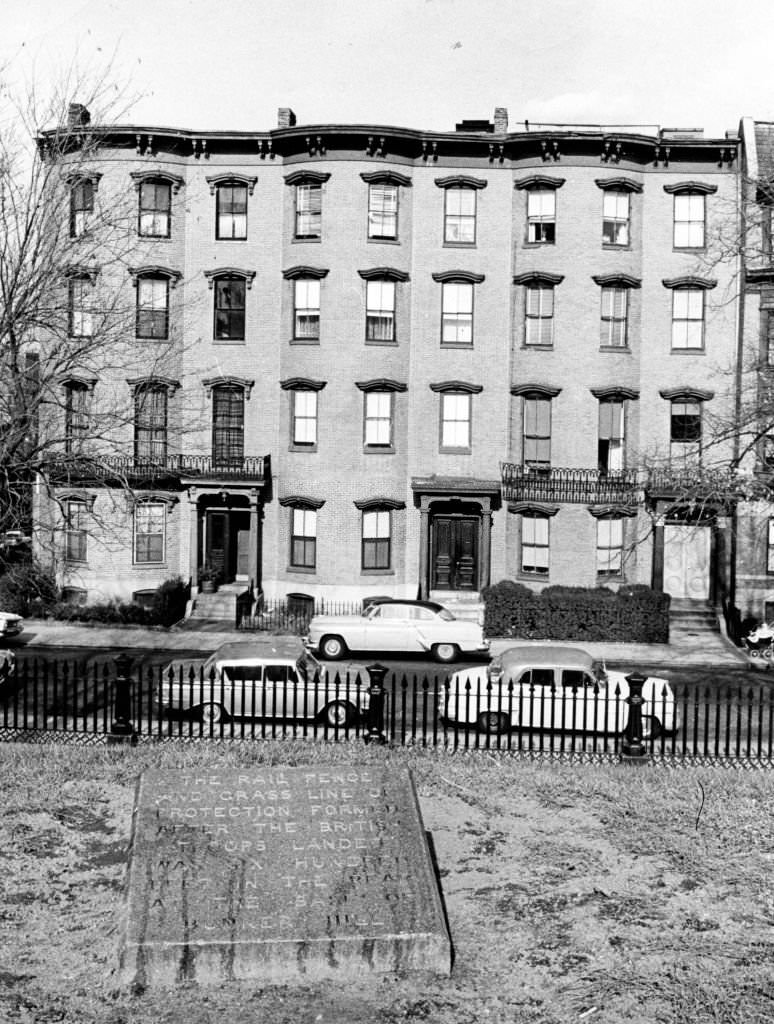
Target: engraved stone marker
x=280 y=875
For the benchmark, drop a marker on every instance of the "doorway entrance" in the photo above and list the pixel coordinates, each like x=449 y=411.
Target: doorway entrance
x=687 y=551
x=227 y=543
x=454 y=557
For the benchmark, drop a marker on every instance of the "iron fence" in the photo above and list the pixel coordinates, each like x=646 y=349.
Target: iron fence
x=44 y=701
x=292 y=614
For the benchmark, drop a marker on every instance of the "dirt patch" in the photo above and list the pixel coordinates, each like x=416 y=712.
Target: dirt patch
x=573 y=893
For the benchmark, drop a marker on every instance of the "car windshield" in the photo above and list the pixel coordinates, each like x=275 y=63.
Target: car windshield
x=307 y=667
x=446 y=615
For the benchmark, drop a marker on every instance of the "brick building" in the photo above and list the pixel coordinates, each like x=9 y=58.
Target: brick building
x=372 y=360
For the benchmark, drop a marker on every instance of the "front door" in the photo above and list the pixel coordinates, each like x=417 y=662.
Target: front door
x=218 y=536
x=687 y=561
x=455 y=553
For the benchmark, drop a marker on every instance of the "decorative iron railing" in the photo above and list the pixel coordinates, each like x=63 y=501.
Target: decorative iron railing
x=118 y=468
x=576 y=486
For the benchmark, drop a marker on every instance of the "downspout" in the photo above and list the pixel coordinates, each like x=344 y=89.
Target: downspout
x=741 y=276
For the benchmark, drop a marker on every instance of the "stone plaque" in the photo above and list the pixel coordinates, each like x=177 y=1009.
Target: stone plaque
x=280 y=875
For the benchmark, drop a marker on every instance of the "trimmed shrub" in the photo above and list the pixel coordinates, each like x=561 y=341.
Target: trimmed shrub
x=635 y=613
x=27 y=589
x=169 y=601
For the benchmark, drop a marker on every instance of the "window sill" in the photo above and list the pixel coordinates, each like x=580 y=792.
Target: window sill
x=229 y=341
x=459 y=245
x=302 y=448
x=383 y=241
x=454 y=451
x=157 y=341
x=154 y=238
x=388 y=344
x=230 y=239
x=536 y=245
x=378 y=449
x=302 y=570
x=149 y=565
x=689 y=248
x=536 y=348
x=533 y=577
x=617 y=247
x=688 y=351
x=76 y=561
x=304 y=341
x=377 y=572
x=615 y=348
x=457 y=344
x=303 y=239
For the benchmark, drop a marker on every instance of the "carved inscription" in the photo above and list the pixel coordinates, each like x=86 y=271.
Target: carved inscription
x=295 y=853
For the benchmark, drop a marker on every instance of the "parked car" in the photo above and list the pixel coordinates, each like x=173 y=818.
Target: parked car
x=7 y=662
x=551 y=686
x=10 y=625
x=404 y=626
x=248 y=679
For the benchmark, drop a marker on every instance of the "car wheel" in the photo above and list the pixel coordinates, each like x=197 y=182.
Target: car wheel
x=333 y=647
x=445 y=652
x=651 y=727
x=493 y=722
x=339 y=714
x=212 y=713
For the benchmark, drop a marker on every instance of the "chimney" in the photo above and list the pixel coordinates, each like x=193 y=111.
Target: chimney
x=77 y=115
x=285 y=118
x=501 y=120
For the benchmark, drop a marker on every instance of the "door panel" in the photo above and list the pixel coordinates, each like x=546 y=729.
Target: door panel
x=217 y=542
x=455 y=553
x=243 y=552
x=687 y=561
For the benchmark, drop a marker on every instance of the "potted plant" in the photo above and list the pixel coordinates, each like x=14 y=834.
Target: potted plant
x=208 y=579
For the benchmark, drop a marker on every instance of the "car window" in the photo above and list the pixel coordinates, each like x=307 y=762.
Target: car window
x=394 y=611
x=425 y=614
x=446 y=615
x=574 y=678
x=538 y=677
x=276 y=673
x=243 y=673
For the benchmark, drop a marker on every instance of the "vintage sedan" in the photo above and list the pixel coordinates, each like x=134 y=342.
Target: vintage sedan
x=551 y=686
x=248 y=679
x=10 y=625
x=399 y=626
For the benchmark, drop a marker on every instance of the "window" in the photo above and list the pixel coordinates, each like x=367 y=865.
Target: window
x=309 y=210
x=81 y=207
x=380 y=310
x=306 y=312
x=611 y=436
x=81 y=292
x=76 y=416
x=457 y=313
x=378 y=419
x=685 y=431
x=303 y=538
x=305 y=418
x=539 y=315
x=382 y=211
x=230 y=308
x=615 y=304
x=534 y=545
x=228 y=426
x=541 y=215
x=149 y=526
x=689 y=220
x=152 y=307
x=770 y=552
x=150 y=424
x=455 y=421
x=610 y=538
x=537 y=432
x=687 y=318
x=376 y=540
x=769 y=336
x=231 y=212
x=615 y=218
x=155 y=209
x=460 y=215
x=76 y=549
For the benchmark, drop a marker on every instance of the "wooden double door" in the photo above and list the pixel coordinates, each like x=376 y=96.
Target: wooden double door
x=455 y=552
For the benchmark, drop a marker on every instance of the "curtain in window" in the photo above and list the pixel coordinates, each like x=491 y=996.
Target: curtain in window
x=228 y=427
x=150 y=425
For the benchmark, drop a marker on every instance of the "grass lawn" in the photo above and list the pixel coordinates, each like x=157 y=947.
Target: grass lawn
x=574 y=892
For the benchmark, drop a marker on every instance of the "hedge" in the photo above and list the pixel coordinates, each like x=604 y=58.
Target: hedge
x=634 y=613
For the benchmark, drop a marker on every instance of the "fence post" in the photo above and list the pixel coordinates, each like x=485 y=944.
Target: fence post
x=122 y=729
x=633 y=746
x=375 y=733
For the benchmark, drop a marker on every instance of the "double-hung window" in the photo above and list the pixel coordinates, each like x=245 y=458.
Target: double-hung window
x=615 y=313
x=539 y=314
x=149 y=532
x=303 y=538
x=536 y=438
x=150 y=424
x=231 y=212
x=81 y=206
x=306 y=311
x=688 y=318
x=685 y=432
x=460 y=216
x=615 y=217
x=689 y=214
x=76 y=535
x=541 y=216
x=455 y=421
x=610 y=445
x=378 y=419
x=770 y=550
x=152 y=307
x=81 y=314
x=309 y=210
x=304 y=419
x=610 y=542
x=376 y=540
x=535 y=547
x=230 y=292
x=228 y=426
x=380 y=310
x=155 y=209
x=76 y=416
x=457 y=313
x=383 y=211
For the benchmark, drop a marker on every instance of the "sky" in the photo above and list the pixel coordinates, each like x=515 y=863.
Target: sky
x=422 y=64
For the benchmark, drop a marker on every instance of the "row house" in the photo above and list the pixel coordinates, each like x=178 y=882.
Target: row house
x=369 y=360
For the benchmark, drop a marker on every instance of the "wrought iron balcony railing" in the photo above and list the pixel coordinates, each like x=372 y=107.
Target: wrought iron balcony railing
x=575 y=486
x=119 y=468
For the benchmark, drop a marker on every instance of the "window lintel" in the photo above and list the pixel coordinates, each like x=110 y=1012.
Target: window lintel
x=461 y=181
x=302 y=384
x=214 y=180
x=467 y=276
x=689 y=281
x=85 y=497
x=246 y=385
x=305 y=177
x=379 y=504
x=76 y=177
x=538 y=277
x=541 y=390
x=616 y=280
x=143 y=177
x=80 y=270
x=383 y=274
x=293 y=273
x=689 y=394
x=154 y=270
x=213 y=275
x=615 y=391
x=457 y=387
x=381 y=384
x=302 y=502
x=681 y=187
x=151 y=382
x=538 y=181
x=532 y=508
x=385 y=178
x=135 y=498
x=618 y=184
x=76 y=380
x=612 y=511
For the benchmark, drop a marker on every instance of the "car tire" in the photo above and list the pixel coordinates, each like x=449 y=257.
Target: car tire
x=211 y=714
x=338 y=714
x=333 y=647
x=651 y=727
x=445 y=653
x=493 y=722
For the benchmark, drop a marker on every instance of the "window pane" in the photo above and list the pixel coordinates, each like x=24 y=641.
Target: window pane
x=382 y=211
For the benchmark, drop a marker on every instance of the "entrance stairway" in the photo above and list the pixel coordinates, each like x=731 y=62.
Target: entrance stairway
x=463 y=604
x=220 y=606
x=692 y=618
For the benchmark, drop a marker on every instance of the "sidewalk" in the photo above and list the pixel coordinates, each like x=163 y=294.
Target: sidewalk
x=685 y=649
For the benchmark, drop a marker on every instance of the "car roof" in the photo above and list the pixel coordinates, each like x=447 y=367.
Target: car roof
x=432 y=605
x=545 y=656
x=280 y=649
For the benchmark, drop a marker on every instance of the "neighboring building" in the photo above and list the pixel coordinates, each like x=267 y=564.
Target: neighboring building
x=409 y=363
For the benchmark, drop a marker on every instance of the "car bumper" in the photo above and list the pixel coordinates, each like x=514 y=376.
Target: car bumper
x=15 y=629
